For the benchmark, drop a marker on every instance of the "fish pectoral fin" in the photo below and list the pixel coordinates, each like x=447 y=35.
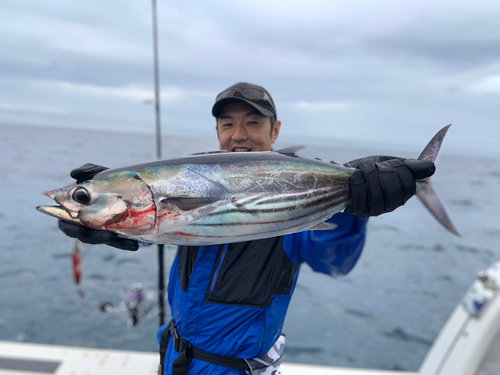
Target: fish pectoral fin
x=290 y=151
x=177 y=212
x=323 y=226
x=185 y=203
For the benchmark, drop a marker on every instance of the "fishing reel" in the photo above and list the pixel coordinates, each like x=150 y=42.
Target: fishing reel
x=135 y=304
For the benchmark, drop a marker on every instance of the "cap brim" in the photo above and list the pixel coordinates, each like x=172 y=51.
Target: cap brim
x=217 y=108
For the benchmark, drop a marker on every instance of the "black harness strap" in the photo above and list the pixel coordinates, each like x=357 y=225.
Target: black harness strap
x=163 y=347
x=187 y=352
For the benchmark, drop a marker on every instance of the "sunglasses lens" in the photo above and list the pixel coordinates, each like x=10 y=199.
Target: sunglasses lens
x=225 y=94
x=252 y=94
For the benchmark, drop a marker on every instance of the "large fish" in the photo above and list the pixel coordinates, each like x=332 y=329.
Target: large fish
x=219 y=197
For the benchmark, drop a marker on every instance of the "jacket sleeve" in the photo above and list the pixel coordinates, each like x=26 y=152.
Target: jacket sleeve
x=334 y=252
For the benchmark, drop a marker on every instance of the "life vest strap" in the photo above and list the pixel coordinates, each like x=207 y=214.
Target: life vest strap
x=187 y=352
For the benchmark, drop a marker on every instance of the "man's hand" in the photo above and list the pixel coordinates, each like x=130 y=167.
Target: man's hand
x=93 y=236
x=86 y=172
x=381 y=184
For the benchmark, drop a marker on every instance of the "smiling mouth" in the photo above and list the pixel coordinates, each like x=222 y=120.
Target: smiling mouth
x=241 y=149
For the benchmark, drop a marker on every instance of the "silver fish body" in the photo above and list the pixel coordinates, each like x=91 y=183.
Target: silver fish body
x=232 y=197
x=219 y=197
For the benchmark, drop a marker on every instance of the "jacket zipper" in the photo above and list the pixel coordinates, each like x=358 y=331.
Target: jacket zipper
x=219 y=265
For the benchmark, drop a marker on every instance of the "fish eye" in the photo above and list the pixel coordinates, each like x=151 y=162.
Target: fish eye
x=81 y=195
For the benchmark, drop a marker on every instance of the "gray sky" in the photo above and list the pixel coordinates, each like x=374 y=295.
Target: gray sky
x=362 y=71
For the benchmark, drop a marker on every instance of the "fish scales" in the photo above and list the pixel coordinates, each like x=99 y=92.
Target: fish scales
x=255 y=198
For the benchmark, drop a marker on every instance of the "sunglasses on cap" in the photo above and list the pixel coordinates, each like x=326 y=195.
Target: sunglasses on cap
x=247 y=93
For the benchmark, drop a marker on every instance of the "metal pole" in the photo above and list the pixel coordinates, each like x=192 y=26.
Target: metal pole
x=161 y=273
x=161 y=285
x=157 y=82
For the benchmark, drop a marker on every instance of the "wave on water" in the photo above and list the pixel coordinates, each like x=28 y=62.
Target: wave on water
x=401 y=335
x=359 y=314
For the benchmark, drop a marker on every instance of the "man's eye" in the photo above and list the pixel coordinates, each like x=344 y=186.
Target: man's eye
x=226 y=125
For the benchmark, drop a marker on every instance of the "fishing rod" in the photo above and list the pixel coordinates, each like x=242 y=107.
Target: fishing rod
x=161 y=272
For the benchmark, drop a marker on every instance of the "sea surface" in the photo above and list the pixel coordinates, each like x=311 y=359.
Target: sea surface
x=385 y=314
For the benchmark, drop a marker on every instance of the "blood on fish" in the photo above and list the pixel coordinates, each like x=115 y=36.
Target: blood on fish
x=185 y=235
x=172 y=216
x=134 y=219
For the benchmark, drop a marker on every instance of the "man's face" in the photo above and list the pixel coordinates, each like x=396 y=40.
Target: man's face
x=241 y=128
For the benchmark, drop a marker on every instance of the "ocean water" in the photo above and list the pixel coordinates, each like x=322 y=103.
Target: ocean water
x=385 y=314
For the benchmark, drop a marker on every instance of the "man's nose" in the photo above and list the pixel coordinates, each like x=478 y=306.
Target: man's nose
x=240 y=133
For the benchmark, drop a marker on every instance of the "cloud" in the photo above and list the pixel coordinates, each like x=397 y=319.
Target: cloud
x=409 y=63
x=16 y=107
x=137 y=93
x=485 y=86
x=322 y=106
x=482 y=82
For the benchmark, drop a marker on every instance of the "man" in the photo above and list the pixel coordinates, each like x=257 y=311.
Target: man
x=228 y=302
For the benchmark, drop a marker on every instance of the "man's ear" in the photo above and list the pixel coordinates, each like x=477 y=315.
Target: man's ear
x=276 y=131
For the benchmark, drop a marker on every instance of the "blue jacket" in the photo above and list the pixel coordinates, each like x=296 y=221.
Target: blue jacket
x=232 y=299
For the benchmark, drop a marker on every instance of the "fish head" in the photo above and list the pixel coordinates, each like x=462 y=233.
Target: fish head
x=119 y=201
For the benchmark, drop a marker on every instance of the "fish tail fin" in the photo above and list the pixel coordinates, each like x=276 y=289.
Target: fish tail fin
x=425 y=192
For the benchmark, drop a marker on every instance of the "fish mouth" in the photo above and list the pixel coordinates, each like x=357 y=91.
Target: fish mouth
x=59 y=212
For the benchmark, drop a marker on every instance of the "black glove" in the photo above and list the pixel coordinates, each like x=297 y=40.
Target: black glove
x=93 y=236
x=86 y=172
x=381 y=184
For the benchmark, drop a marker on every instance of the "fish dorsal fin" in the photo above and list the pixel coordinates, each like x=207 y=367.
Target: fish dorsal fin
x=290 y=151
x=210 y=152
x=185 y=203
x=323 y=226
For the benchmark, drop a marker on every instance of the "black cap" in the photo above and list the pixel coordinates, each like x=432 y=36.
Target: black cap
x=265 y=106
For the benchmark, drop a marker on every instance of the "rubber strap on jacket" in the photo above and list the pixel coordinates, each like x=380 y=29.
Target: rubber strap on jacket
x=187 y=352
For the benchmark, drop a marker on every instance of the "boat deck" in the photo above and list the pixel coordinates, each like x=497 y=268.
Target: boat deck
x=37 y=359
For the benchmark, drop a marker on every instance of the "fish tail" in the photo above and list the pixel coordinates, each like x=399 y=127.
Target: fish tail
x=425 y=192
